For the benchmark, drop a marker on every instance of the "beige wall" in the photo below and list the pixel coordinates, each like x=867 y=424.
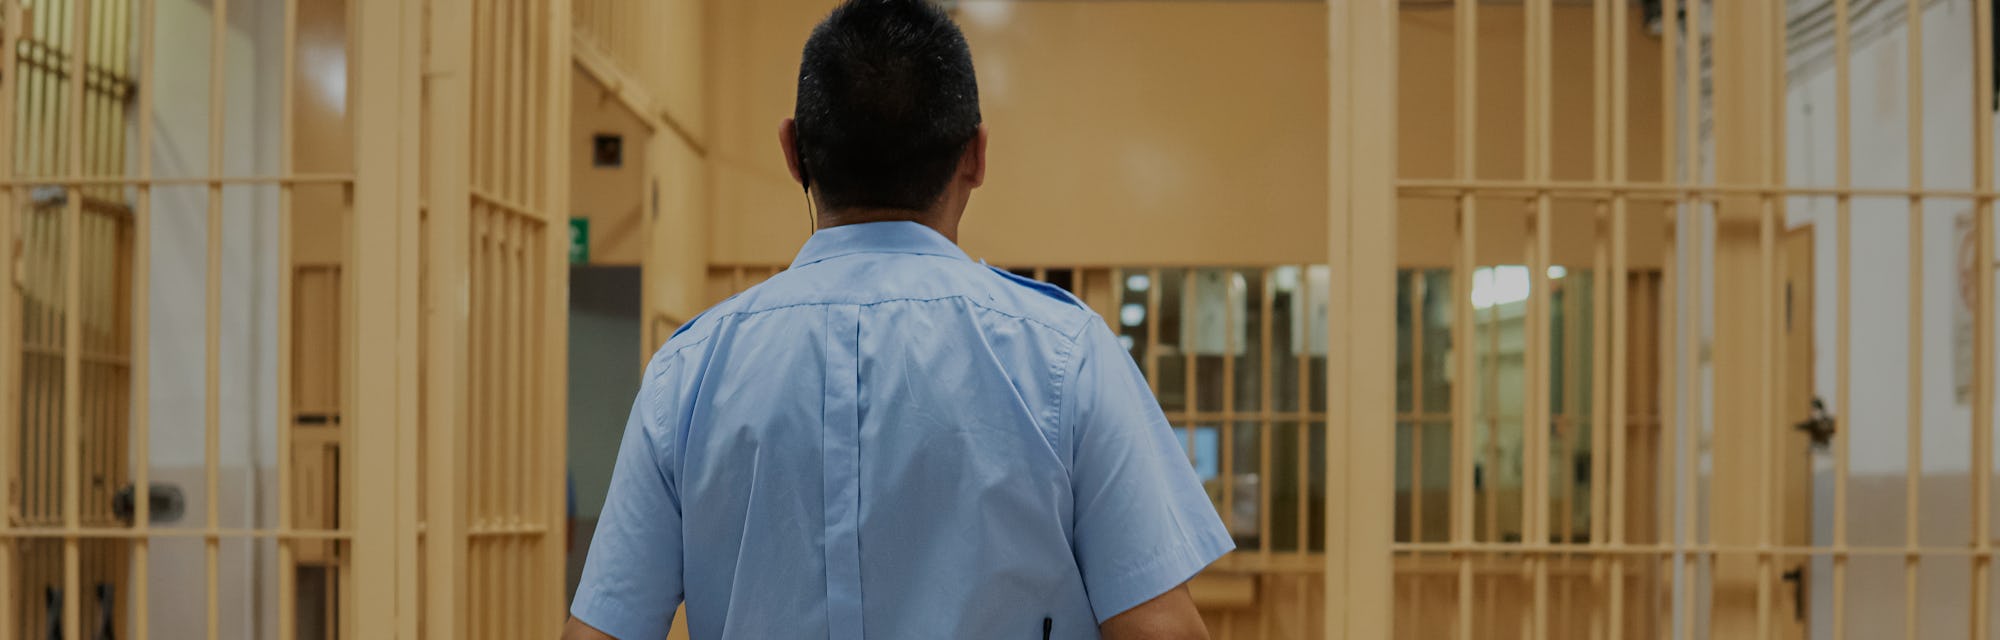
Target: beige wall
x=611 y=197
x=677 y=192
x=1179 y=133
x=1122 y=132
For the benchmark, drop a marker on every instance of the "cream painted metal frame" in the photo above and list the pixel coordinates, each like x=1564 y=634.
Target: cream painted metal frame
x=1727 y=561
x=450 y=288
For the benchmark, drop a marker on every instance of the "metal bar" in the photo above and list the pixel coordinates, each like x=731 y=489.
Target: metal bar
x=1843 y=325
x=1664 y=353
x=287 y=275
x=142 y=249
x=519 y=389
x=1492 y=398
x=1465 y=73
x=552 y=359
x=1601 y=374
x=448 y=271
x=1639 y=189
x=218 y=81
x=1914 y=421
x=1190 y=332
x=11 y=321
x=386 y=48
x=1982 y=306
x=1267 y=372
x=1361 y=244
x=511 y=131
x=479 y=408
x=1692 y=223
x=72 y=332
x=1621 y=302
x=80 y=180
x=1536 y=377
x=1304 y=431
x=1416 y=382
x=1227 y=430
x=1648 y=549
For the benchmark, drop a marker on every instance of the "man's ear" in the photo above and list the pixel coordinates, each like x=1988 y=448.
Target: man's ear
x=972 y=164
x=788 y=139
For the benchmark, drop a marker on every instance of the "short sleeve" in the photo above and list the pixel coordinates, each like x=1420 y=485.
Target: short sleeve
x=1143 y=523
x=631 y=582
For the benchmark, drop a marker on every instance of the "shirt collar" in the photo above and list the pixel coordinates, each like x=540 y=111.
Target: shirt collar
x=896 y=236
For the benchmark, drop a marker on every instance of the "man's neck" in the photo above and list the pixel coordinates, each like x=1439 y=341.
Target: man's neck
x=844 y=217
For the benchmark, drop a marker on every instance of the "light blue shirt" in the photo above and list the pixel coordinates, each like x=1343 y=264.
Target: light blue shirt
x=889 y=440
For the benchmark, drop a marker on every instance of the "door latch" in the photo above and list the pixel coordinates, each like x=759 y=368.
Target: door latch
x=1797 y=576
x=1819 y=425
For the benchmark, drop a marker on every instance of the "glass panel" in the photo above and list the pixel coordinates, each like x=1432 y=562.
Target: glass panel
x=1245 y=482
x=1285 y=486
x=1249 y=366
x=1286 y=297
x=1435 y=377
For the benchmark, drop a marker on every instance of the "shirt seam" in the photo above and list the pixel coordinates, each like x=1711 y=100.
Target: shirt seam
x=1069 y=356
x=901 y=252
x=1069 y=335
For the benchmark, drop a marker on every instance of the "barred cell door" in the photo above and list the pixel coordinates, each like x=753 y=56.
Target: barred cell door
x=1784 y=214
x=283 y=286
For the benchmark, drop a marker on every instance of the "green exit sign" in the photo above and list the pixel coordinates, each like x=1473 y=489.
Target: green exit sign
x=579 y=240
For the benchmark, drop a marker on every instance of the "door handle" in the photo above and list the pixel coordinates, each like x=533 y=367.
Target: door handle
x=1797 y=576
x=1819 y=425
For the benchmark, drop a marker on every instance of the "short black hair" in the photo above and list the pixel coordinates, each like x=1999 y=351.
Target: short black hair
x=887 y=102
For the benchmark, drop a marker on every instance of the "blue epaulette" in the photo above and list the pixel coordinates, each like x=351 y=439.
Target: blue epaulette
x=1043 y=288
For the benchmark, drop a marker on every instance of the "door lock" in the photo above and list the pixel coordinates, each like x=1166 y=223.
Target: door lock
x=1797 y=576
x=1819 y=425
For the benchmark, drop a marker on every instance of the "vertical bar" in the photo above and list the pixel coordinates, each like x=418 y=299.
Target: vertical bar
x=1600 y=460
x=1465 y=71
x=1153 y=329
x=1843 y=178
x=1267 y=372
x=506 y=130
x=1304 y=433
x=1361 y=303
x=1416 y=420
x=1695 y=229
x=1190 y=320
x=142 y=249
x=218 y=81
x=447 y=271
x=480 y=405
x=1670 y=425
x=512 y=310
x=287 y=275
x=1534 y=421
x=72 y=317
x=409 y=305
x=1621 y=303
x=550 y=302
x=386 y=44
x=10 y=318
x=1982 y=308
x=1227 y=431
x=1914 y=421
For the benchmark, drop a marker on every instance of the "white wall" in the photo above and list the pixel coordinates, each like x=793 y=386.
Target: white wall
x=248 y=347
x=1880 y=311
